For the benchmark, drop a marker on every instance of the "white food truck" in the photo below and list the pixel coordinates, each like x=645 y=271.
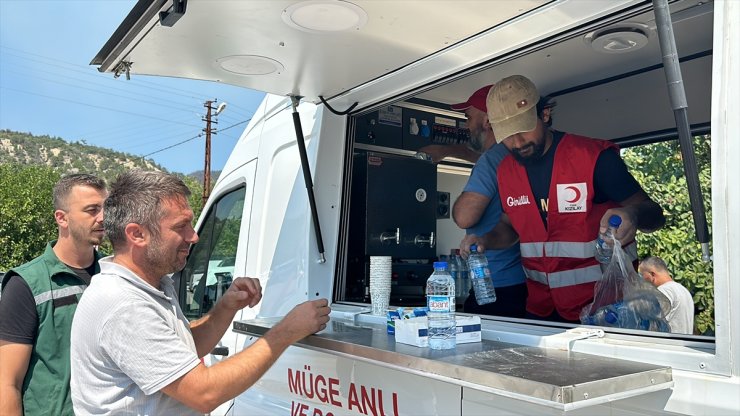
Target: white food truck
x=362 y=85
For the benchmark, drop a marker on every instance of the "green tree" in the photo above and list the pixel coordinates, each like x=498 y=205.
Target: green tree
x=26 y=212
x=196 y=195
x=659 y=169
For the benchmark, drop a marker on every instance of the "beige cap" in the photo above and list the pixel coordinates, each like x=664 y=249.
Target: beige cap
x=512 y=106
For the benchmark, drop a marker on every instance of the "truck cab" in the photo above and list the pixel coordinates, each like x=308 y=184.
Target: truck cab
x=326 y=175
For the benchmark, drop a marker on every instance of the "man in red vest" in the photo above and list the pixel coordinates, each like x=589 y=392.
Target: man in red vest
x=558 y=191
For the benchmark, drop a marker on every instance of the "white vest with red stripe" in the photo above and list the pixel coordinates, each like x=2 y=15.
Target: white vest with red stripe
x=559 y=260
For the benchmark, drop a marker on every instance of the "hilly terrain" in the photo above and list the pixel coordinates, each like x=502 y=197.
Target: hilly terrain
x=54 y=152
x=29 y=167
x=73 y=157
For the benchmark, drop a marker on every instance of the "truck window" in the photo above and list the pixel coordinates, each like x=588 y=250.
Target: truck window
x=210 y=267
x=397 y=218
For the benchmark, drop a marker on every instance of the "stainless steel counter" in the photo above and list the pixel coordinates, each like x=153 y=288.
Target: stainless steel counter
x=550 y=377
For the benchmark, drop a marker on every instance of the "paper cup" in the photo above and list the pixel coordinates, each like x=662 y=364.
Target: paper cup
x=381 y=268
x=380 y=300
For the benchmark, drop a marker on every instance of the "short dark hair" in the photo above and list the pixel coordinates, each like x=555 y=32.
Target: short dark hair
x=64 y=187
x=542 y=104
x=136 y=197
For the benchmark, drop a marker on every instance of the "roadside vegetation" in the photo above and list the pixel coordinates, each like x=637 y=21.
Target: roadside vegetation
x=29 y=168
x=659 y=169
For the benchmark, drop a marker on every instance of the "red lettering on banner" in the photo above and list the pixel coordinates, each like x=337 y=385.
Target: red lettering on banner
x=298 y=409
x=394 y=396
x=308 y=391
x=368 y=402
x=380 y=402
x=294 y=384
x=321 y=393
x=333 y=392
x=352 y=400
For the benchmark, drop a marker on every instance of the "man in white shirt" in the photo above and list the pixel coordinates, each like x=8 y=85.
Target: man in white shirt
x=681 y=315
x=133 y=350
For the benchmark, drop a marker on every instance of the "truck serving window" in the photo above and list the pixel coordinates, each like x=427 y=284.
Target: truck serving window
x=388 y=217
x=398 y=203
x=210 y=267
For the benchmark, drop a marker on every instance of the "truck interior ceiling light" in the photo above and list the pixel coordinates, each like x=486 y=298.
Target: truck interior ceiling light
x=618 y=39
x=324 y=16
x=250 y=65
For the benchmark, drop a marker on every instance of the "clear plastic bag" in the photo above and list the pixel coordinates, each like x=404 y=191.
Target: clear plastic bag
x=623 y=299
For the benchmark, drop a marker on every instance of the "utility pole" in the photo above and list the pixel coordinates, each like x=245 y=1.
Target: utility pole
x=207 y=168
x=208 y=130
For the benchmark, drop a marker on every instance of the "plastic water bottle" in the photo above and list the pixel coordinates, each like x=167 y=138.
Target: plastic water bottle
x=480 y=275
x=645 y=305
x=604 y=316
x=618 y=315
x=441 y=304
x=659 y=325
x=454 y=268
x=605 y=242
x=630 y=314
x=461 y=283
x=464 y=276
x=630 y=319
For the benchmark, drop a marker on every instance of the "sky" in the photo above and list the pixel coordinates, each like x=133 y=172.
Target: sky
x=47 y=87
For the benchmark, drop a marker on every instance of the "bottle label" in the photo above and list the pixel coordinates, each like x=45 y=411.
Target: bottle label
x=439 y=303
x=480 y=272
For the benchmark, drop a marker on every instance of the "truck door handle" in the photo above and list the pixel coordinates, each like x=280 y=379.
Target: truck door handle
x=222 y=351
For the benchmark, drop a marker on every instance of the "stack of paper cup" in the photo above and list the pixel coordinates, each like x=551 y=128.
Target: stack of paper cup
x=380 y=283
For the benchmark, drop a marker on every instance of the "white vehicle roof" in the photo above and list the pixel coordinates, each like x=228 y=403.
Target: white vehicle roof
x=371 y=51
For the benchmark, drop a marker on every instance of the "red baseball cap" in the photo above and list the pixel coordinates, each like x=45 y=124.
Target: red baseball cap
x=477 y=100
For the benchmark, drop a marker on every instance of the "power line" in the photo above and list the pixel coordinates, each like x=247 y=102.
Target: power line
x=55 y=62
x=87 y=75
x=171 y=146
x=131 y=93
x=115 y=130
x=148 y=140
x=125 y=129
x=138 y=80
x=234 y=125
x=137 y=99
x=97 y=106
x=193 y=138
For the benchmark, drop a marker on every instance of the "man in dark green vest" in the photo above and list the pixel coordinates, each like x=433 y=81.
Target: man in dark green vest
x=39 y=299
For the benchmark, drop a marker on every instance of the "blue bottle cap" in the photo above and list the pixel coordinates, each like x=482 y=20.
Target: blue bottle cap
x=615 y=221
x=611 y=316
x=474 y=248
x=440 y=264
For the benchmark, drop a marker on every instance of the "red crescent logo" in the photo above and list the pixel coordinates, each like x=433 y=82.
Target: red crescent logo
x=577 y=194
